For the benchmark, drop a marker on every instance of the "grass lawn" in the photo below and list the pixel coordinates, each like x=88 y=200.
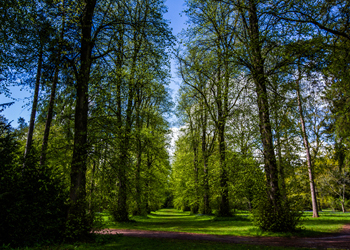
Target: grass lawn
x=178 y=221
x=130 y=243
x=241 y=225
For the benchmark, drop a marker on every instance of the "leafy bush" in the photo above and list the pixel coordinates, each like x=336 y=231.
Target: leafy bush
x=32 y=198
x=285 y=218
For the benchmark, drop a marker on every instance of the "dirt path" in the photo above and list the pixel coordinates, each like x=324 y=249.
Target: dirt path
x=339 y=240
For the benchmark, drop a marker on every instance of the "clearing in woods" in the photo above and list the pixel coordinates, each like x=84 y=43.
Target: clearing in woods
x=331 y=230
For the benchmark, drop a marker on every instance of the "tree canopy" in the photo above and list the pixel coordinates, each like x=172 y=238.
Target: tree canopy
x=262 y=109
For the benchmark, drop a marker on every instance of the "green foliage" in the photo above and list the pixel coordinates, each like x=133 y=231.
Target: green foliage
x=32 y=206
x=285 y=218
x=79 y=222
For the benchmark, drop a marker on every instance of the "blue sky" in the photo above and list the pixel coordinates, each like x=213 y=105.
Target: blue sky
x=20 y=109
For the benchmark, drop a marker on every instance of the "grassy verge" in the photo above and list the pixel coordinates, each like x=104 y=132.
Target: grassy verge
x=241 y=225
x=124 y=243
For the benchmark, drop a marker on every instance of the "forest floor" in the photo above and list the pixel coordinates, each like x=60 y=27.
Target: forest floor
x=339 y=240
x=322 y=233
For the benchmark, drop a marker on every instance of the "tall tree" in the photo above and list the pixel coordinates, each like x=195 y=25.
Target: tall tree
x=76 y=215
x=211 y=74
x=53 y=88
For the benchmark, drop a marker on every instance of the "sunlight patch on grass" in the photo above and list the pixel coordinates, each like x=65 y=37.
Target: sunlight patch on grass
x=241 y=225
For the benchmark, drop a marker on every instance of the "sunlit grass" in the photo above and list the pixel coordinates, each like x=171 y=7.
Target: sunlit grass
x=178 y=221
x=328 y=221
x=241 y=225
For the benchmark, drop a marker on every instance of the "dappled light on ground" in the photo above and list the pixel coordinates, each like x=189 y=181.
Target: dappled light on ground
x=239 y=225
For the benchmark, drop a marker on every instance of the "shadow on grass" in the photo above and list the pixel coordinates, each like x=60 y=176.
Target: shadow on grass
x=238 y=225
x=233 y=218
x=323 y=222
x=169 y=215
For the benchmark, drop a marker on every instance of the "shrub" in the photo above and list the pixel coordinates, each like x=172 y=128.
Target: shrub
x=32 y=199
x=285 y=218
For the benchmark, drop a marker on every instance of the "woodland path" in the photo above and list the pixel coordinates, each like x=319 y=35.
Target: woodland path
x=339 y=240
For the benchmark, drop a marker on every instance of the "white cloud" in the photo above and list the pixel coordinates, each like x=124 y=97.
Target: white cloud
x=175 y=133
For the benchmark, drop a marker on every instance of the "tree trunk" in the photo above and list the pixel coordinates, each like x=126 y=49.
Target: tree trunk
x=34 y=106
x=148 y=171
x=280 y=161
x=343 y=199
x=52 y=100
x=206 y=205
x=194 y=206
x=78 y=224
x=263 y=105
x=138 y=183
x=195 y=170
x=342 y=206
x=148 y=191
x=49 y=118
x=122 y=209
x=138 y=157
x=307 y=151
x=92 y=186
x=224 y=207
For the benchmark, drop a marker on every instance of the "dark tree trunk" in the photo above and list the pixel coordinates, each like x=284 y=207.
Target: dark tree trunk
x=206 y=205
x=138 y=157
x=195 y=207
x=92 y=186
x=148 y=171
x=49 y=118
x=224 y=206
x=194 y=142
x=122 y=209
x=138 y=182
x=259 y=79
x=148 y=191
x=124 y=162
x=221 y=102
x=78 y=224
x=34 y=106
x=52 y=101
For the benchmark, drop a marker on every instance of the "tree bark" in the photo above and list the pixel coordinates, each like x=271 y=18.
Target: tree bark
x=92 y=185
x=49 y=118
x=148 y=171
x=122 y=209
x=194 y=206
x=280 y=164
x=148 y=190
x=34 y=106
x=307 y=151
x=77 y=218
x=52 y=100
x=224 y=207
x=221 y=102
x=259 y=79
x=206 y=205
x=138 y=156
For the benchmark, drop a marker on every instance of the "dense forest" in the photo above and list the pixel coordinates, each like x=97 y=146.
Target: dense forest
x=263 y=112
